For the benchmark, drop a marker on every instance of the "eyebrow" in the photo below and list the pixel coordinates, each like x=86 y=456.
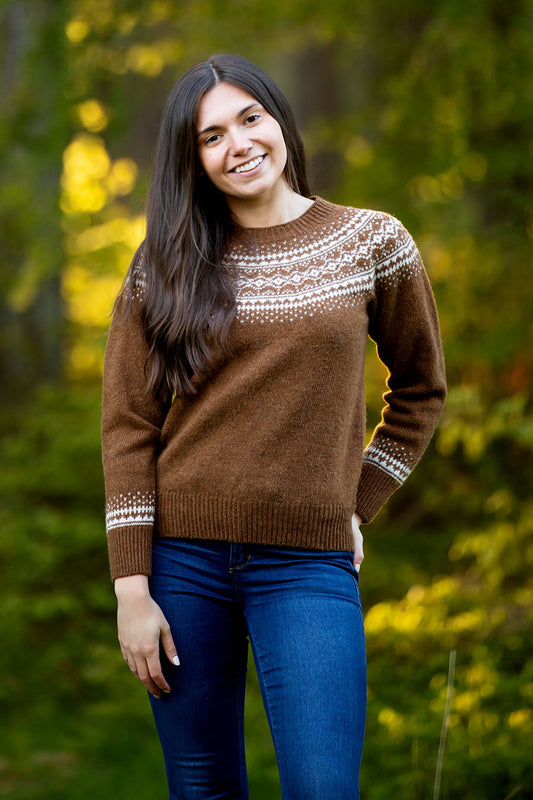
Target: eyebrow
x=238 y=116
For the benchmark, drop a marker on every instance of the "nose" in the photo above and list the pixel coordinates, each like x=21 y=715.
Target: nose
x=239 y=143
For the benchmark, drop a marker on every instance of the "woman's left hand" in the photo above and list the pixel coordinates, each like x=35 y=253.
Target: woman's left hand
x=358 y=554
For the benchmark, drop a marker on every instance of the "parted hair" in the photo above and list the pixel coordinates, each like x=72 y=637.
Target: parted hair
x=189 y=297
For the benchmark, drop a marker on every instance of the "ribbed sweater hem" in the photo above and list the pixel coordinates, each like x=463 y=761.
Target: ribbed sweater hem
x=246 y=519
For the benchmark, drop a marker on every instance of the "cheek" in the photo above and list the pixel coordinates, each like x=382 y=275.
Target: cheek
x=281 y=146
x=283 y=154
x=208 y=163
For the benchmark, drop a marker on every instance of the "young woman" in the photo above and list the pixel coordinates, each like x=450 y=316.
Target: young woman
x=233 y=437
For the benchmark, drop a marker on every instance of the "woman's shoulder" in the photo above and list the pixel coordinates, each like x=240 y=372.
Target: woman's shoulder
x=370 y=218
x=379 y=230
x=379 y=238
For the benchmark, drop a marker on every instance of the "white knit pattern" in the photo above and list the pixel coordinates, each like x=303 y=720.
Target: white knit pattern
x=391 y=457
x=130 y=509
x=138 y=276
x=336 y=267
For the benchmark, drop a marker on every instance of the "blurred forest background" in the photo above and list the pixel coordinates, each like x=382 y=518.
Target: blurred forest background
x=423 y=109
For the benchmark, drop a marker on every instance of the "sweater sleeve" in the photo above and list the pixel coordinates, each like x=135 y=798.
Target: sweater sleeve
x=404 y=325
x=131 y=426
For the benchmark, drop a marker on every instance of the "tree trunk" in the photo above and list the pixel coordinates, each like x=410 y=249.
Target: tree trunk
x=33 y=130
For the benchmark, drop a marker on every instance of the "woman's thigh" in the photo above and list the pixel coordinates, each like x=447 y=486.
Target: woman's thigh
x=200 y=724
x=304 y=618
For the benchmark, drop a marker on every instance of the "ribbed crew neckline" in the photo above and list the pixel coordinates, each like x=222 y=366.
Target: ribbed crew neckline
x=306 y=223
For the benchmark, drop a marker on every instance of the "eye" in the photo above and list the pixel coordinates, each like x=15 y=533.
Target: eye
x=212 y=139
x=251 y=118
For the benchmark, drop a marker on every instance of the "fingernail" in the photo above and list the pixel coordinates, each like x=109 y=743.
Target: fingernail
x=176 y=661
x=166 y=691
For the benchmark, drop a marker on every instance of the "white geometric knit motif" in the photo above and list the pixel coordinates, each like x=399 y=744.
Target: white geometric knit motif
x=400 y=257
x=132 y=508
x=391 y=457
x=290 y=280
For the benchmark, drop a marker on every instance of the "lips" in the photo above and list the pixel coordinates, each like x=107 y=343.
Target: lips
x=248 y=166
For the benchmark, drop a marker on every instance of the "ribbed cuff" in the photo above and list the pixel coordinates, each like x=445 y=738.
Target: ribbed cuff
x=374 y=489
x=130 y=551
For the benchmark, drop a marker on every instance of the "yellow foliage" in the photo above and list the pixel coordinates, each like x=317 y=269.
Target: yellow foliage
x=90 y=179
x=89 y=298
x=85 y=164
x=409 y=620
x=468 y=621
x=443 y=588
x=86 y=159
x=521 y=718
x=93 y=116
x=440 y=261
x=378 y=618
x=465 y=702
x=391 y=720
x=145 y=59
x=84 y=360
x=122 y=176
x=76 y=30
x=480 y=674
x=160 y=10
x=121 y=230
x=126 y=23
x=416 y=593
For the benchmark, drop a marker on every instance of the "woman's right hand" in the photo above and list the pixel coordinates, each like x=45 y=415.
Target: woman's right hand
x=142 y=626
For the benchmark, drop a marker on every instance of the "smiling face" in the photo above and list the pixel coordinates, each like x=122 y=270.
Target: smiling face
x=240 y=146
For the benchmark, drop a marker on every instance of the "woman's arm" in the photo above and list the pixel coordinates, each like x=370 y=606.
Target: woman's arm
x=132 y=418
x=404 y=324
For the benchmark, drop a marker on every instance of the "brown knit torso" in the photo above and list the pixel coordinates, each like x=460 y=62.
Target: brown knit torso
x=271 y=449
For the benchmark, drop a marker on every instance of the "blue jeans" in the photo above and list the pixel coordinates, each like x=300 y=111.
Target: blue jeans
x=301 y=611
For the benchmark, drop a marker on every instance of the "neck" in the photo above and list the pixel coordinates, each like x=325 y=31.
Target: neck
x=281 y=206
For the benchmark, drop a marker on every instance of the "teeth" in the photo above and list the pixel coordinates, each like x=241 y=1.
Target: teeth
x=250 y=165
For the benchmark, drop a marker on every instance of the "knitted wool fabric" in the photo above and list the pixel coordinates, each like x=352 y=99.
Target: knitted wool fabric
x=271 y=449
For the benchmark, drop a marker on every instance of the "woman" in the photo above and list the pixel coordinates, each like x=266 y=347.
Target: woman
x=233 y=437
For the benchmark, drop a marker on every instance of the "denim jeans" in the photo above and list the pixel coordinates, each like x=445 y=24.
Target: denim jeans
x=301 y=611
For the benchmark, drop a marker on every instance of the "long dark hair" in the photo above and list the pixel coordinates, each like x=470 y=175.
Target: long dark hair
x=189 y=297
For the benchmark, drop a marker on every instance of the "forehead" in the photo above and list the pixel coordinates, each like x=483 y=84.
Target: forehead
x=222 y=104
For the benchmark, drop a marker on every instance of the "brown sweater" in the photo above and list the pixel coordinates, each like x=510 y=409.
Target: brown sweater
x=271 y=449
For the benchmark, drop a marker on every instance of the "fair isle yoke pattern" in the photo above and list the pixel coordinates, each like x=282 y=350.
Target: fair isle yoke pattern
x=295 y=279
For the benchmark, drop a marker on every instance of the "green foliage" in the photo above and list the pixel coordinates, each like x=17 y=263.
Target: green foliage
x=424 y=110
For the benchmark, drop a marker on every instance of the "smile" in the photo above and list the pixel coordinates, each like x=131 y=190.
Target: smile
x=249 y=165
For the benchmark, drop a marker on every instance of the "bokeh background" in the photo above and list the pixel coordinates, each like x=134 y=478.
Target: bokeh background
x=423 y=109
